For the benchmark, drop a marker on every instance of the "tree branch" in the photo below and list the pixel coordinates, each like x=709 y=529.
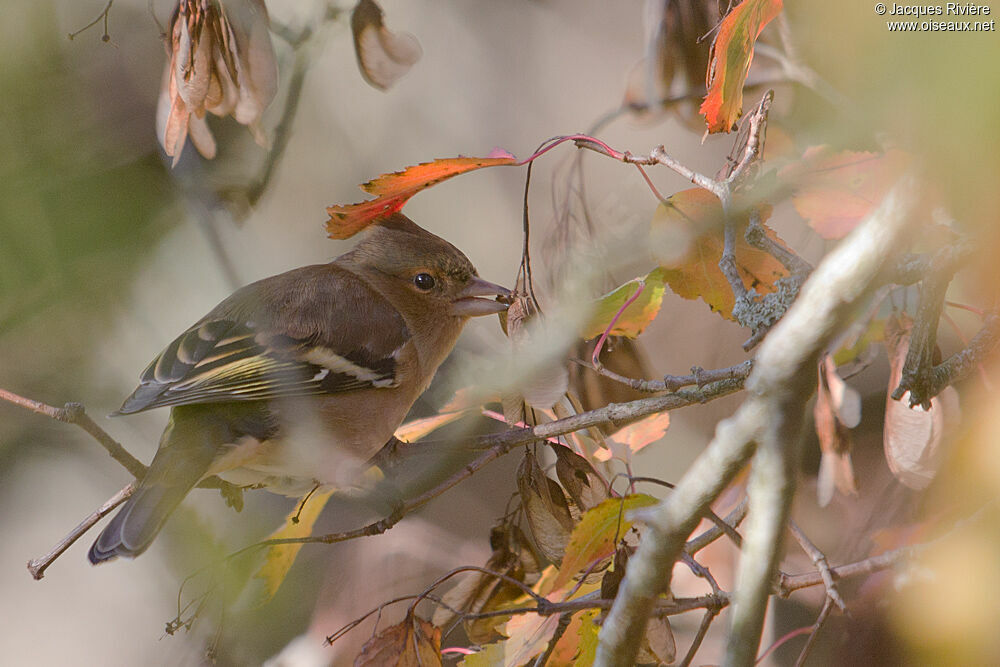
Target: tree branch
x=918 y=369
x=822 y=566
x=498 y=444
x=771 y=414
x=74 y=413
x=37 y=566
x=699 y=376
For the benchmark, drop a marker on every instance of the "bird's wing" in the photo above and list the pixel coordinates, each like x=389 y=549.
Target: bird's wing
x=316 y=330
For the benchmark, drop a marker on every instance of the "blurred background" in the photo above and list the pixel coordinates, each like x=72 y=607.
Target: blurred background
x=106 y=253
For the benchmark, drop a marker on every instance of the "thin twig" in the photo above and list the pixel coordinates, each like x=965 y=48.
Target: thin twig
x=699 y=637
x=756 y=235
x=733 y=519
x=74 y=413
x=698 y=376
x=37 y=566
x=767 y=417
x=721 y=524
x=819 y=560
x=103 y=15
x=823 y=615
x=781 y=641
x=727 y=263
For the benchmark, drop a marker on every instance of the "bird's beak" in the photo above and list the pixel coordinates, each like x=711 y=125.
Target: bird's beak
x=469 y=305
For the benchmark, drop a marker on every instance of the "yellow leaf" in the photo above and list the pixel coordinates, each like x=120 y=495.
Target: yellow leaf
x=594 y=536
x=279 y=558
x=639 y=313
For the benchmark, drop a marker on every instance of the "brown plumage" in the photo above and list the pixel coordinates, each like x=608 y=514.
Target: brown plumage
x=295 y=380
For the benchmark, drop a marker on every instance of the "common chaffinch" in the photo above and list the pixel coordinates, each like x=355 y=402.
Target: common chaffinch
x=295 y=374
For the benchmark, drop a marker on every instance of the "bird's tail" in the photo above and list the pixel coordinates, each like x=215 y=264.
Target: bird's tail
x=180 y=462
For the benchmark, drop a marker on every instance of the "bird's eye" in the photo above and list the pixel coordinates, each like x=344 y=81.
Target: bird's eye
x=424 y=281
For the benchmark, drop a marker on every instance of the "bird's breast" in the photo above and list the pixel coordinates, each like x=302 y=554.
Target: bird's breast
x=322 y=441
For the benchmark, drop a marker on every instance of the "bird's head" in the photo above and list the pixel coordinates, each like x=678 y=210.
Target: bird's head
x=428 y=268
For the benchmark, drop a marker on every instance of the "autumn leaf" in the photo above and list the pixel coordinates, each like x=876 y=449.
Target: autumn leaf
x=393 y=190
x=729 y=61
x=834 y=191
x=658 y=646
x=383 y=56
x=688 y=238
x=412 y=643
x=585 y=486
x=594 y=536
x=836 y=410
x=490 y=655
x=482 y=591
x=460 y=405
x=578 y=644
x=279 y=558
x=634 y=437
x=914 y=437
x=545 y=508
x=636 y=316
x=588 y=635
x=528 y=635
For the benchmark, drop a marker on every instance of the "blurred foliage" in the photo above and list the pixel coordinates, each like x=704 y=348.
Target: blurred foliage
x=78 y=212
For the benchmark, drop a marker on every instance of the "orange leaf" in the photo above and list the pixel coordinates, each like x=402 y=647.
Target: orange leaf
x=594 y=537
x=463 y=401
x=635 y=436
x=732 y=52
x=393 y=190
x=688 y=231
x=835 y=191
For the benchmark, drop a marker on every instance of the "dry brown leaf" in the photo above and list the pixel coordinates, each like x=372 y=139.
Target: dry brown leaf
x=674 y=34
x=914 y=437
x=546 y=509
x=479 y=592
x=383 y=56
x=220 y=60
x=834 y=400
x=585 y=486
x=412 y=643
x=658 y=646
